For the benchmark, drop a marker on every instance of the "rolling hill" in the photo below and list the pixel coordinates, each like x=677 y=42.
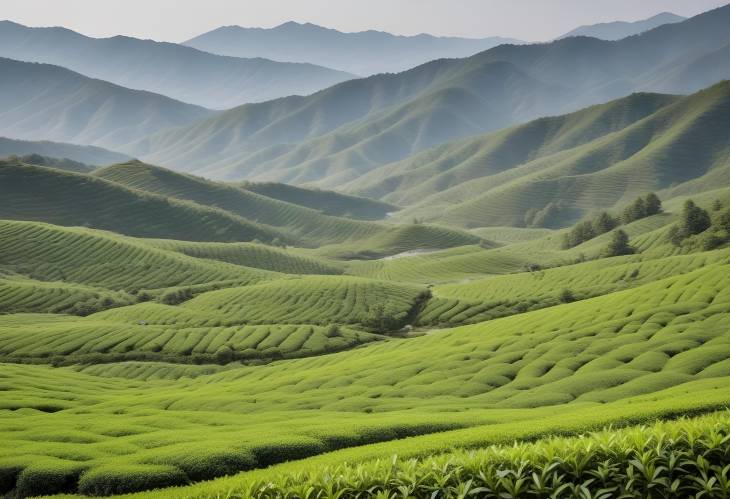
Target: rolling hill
x=343 y=132
x=621 y=29
x=44 y=102
x=72 y=199
x=88 y=155
x=328 y=202
x=570 y=165
x=364 y=53
x=182 y=73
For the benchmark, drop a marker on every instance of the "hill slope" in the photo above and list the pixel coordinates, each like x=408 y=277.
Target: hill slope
x=44 y=102
x=622 y=29
x=62 y=198
x=336 y=135
x=180 y=72
x=83 y=154
x=364 y=53
x=570 y=165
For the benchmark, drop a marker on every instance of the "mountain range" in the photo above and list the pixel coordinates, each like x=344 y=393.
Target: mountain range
x=336 y=135
x=44 y=102
x=621 y=29
x=180 y=72
x=364 y=53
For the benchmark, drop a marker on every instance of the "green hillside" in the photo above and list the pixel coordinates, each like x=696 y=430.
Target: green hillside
x=560 y=181
x=328 y=202
x=62 y=198
x=602 y=352
x=341 y=133
x=510 y=295
x=82 y=154
x=302 y=223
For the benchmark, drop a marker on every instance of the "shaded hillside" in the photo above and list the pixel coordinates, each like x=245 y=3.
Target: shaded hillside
x=363 y=53
x=336 y=135
x=62 y=198
x=301 y=225
x=180 y=72
x=44 y=102
x=328 y=202
x=89 y=155
x=683 y=142
x=410 y=181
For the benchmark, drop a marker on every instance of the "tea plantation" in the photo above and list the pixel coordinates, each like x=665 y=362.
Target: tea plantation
x=394 y=361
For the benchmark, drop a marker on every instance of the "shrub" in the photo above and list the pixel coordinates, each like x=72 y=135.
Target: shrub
x=567 y=296
x=199 y=465
x=127 y=478
x=287 y=449
x=47 y=478
x=177 y=296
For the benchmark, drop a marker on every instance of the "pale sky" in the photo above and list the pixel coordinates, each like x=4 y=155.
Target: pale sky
x=179 y=20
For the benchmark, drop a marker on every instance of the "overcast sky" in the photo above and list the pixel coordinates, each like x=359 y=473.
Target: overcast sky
x=179 y=20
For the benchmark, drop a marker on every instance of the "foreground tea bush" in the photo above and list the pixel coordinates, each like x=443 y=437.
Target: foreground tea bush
x=686 y=458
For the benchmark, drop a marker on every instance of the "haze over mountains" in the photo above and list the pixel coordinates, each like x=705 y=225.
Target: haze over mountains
x=364 y=53
x=44 y=102
x=341 y=133
x=179 y=72
x=621 y=29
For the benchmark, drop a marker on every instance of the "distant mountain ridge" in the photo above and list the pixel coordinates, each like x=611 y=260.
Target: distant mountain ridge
x=51 y=103
x=621 y=29
x=363 y=53
x=180 y=72
x=339 y=134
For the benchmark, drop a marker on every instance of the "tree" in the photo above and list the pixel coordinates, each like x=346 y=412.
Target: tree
x=653 y=204
x=635 y=211
x=722 y=221
x=716 y=205
x=694 y=219
x=604 y=223
x=619 y=244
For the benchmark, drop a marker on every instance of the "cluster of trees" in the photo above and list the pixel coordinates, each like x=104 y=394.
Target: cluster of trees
x=699 y=228
x=602 y=223
x=548 y=217
x=177 y=296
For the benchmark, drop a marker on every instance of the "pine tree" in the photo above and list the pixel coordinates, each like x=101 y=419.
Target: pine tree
x=653 y=204
x=619 y=244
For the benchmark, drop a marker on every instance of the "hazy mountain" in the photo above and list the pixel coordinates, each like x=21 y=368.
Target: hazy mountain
x=180 y=72
x=621 y=29
x=364 y=53
x=341 y=133
x=569 y=166
x=44 y=102
x=88 y=155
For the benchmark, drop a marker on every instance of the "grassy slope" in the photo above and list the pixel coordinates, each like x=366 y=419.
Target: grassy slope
x=409 y=181
x=328 y=202
x=93 y=258
x=83 y=154
x=653 y=153
x=302 y=224
x=595 y=353
x=49 y=195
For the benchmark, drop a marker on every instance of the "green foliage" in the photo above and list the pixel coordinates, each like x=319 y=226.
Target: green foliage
x=121 y=479
x=693 y=220
x=688 y=458
x=619 y=244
